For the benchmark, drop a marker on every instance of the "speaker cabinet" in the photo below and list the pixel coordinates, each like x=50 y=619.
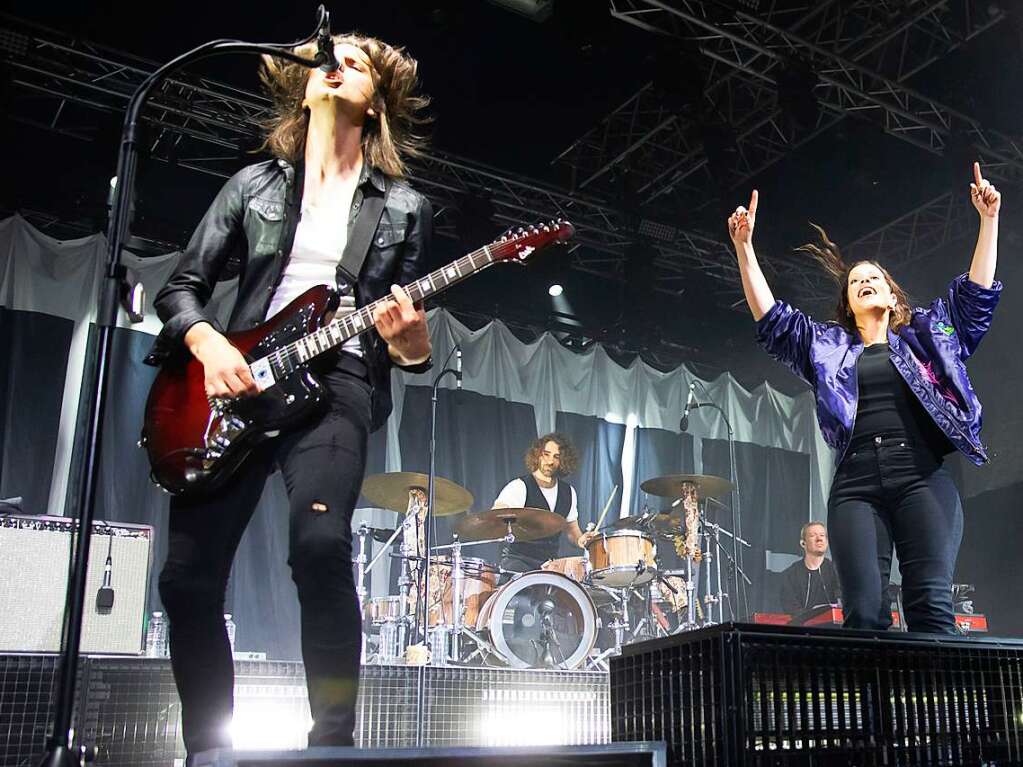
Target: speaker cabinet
x=34 y=556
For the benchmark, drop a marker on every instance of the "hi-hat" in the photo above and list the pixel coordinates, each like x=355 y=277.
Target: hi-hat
x=670 y=486
x=391 y=491
x=526 y=524
x=664 y=522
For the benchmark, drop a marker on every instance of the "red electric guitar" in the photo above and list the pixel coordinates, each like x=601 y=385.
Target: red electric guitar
x=195 y=443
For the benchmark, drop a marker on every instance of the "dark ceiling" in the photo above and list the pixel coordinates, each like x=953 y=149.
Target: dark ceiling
x=514 y=93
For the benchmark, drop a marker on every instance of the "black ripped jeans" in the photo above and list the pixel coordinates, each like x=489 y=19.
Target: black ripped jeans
x=888 y=492
x=323 y=464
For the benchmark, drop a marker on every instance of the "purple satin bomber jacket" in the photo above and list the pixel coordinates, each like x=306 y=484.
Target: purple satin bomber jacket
x=929 y=354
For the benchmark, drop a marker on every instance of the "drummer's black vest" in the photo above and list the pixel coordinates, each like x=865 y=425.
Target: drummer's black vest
x=545 y=548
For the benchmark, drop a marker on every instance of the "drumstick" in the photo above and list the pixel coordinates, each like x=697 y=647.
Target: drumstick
x=607 y=506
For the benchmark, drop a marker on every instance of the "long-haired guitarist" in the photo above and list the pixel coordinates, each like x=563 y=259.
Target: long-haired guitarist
x=339 y=141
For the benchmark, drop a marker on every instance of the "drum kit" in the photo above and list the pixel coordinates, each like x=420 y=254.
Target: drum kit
x=571 y=613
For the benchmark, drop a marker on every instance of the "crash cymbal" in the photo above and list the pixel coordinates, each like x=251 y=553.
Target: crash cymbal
x=670 y=486
x=527 y=524
x=390 y=491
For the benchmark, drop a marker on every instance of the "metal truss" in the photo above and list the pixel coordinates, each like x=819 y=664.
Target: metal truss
x=60 y=83
x=861 y=53
x=920 y=233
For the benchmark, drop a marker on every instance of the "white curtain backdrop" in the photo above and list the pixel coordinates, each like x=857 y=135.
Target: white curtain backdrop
x=41 y=274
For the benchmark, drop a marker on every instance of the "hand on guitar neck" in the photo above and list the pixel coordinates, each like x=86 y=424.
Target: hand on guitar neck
x=227 y=374
x=402 y=324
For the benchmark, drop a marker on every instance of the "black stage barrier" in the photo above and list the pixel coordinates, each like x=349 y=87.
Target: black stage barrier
x=129 y=710
x=741 y=694
x=607 y=755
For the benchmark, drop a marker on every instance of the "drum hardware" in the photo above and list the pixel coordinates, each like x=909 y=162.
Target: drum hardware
x=714 y=532
x=361 y=592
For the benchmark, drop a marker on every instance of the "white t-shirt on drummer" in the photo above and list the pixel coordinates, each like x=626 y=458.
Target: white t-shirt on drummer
x=320 y=240
x=514 y=496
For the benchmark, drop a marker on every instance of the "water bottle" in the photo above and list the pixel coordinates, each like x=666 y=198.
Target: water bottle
x=156 y=636
x=229 y=623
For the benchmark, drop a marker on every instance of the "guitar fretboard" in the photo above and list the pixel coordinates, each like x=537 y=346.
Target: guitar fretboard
x=287 y=358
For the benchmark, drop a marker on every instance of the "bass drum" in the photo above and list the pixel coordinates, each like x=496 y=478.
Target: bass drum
x=540 y=619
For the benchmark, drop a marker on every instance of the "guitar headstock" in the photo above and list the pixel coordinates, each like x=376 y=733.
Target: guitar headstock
x=519 y=244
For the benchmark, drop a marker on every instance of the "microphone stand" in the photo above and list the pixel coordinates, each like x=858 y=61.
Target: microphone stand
x=736 y=516
x=60 y=751
x=427 y=524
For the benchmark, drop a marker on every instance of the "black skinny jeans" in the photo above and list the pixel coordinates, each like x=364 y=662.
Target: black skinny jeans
x=323 y=464
x=886 y=493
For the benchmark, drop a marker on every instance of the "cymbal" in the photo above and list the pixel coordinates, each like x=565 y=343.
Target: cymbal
x=390 y=491
x=527 y=524
x=664 y=522
x=670 y=486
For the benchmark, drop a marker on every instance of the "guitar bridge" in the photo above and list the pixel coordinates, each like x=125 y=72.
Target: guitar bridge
x=222 y=429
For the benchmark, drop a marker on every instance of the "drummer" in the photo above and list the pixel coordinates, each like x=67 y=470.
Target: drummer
x=548 y=459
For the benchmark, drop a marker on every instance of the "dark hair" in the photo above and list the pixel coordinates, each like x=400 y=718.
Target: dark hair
x=569 y=457
x=388 y=139
x=828 y=256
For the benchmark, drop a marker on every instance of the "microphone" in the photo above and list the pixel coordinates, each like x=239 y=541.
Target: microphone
x=458 y=366
x=325 y=46
x=691 y=404
x=105 y=595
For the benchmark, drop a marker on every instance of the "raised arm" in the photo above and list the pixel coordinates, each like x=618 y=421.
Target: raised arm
x=988 y=201
x=754 y=284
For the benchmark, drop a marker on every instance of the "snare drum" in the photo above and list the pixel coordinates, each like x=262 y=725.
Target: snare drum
x=622 y=558
x=574 y=567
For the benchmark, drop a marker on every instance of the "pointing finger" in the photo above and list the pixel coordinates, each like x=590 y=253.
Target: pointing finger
x=754 y=198
x=976 y=174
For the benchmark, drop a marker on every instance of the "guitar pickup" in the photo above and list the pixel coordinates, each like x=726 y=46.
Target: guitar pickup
x=262 y=374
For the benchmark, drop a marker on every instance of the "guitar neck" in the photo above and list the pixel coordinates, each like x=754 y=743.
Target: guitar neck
x=341 y=329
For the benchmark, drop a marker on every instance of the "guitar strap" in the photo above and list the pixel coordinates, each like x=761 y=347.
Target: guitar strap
x=357 y=248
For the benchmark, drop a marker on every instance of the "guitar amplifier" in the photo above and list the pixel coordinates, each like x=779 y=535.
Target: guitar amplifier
x=35 y=553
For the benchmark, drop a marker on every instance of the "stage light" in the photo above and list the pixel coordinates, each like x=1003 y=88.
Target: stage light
x=271 y=723
x=555 y=290
x=515 y=726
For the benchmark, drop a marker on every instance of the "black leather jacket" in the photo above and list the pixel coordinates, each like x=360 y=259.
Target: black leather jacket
x=249 y=230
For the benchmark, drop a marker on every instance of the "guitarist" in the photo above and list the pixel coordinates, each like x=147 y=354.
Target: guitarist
x=339 y=141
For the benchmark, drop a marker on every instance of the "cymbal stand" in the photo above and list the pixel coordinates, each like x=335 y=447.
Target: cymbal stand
x=361 y=591
x=712 y=563
x=402 y=619
x=717 y=529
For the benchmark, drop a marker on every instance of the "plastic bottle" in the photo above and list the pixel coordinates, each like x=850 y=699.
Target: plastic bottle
x=231 y=629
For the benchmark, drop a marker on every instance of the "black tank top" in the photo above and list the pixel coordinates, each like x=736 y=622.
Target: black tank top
x=887 y=408
x=545 y=548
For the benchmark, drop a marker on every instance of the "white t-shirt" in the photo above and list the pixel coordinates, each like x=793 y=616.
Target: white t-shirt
x=320 y=240
x=514 y=496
